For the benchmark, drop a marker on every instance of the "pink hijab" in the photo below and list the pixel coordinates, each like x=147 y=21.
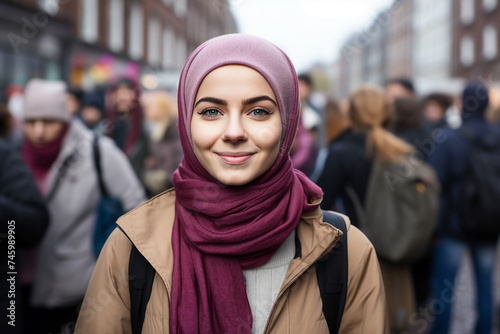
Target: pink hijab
x=220 y=230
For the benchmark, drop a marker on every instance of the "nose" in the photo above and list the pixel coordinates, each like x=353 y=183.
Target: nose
x=39 y=128
x=234 y=131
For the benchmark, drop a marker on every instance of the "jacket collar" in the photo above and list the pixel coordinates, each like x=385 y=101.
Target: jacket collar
x=149 y=228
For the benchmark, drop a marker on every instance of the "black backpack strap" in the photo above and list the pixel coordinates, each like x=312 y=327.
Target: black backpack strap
x=332 y=275
x=97 y=163
x=140 y=283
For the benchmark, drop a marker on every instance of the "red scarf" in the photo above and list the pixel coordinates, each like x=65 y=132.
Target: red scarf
x=40 y=158
x=221 y=230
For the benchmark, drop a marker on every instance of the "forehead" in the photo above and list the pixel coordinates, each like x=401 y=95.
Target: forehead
x=234 y=79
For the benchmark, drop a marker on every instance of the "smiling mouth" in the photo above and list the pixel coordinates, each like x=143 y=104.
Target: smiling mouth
x=235 y=158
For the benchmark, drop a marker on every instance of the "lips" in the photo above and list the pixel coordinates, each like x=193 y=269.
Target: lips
x=235 y=158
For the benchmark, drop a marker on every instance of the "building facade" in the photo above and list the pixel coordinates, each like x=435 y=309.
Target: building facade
x=476 y=42
x=432 y=39
x=399 y=40
x=85 y=42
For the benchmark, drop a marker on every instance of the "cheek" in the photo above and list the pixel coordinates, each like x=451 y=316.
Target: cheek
x=53 y=132
x=29 y=132
x=268 y=137
x=203 y=136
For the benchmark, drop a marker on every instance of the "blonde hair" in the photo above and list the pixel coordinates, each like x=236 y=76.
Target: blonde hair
x=336 y=119
x=370 y=111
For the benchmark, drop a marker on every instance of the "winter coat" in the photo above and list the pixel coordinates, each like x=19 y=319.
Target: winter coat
x=24 y=214
x=66 y=259
x=20 y=199
x=450 y=159
x=347 y=164
x=298 y=308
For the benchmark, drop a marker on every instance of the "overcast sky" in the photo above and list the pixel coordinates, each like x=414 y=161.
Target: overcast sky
x=309 y=31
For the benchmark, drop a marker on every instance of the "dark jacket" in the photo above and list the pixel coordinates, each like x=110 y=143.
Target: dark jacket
x=452 y=156
x=418 y=137
x=22 y=211
x=20 y=200
x=347 y=164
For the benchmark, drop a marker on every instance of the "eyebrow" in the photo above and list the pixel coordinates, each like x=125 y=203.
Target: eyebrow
x=258 y=99
x=244 y=102
x=212 y=100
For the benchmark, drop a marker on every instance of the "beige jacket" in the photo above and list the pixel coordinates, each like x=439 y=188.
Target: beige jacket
x=298 y=308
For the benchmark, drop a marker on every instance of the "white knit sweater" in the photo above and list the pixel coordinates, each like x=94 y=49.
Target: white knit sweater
x=263 y=283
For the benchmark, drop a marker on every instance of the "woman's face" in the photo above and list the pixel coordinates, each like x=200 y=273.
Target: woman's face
x=236 y=125
x=42 y=131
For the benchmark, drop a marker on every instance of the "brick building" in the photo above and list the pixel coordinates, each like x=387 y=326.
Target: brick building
x=476 y=41
x=86 y=41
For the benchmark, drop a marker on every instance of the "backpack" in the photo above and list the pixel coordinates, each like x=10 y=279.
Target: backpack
x=480 y=198
x=109 y=208
x=401 y=209
x=331 y=272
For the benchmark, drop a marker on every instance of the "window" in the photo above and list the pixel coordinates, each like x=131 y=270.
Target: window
x=115 y=36
x=490 y=40
x=467 y=51
x=180 y=7
x=168 y=48
x=154 y=41
x=90 y=14
x=136 y=31
x=467 y=11
x=489 y=5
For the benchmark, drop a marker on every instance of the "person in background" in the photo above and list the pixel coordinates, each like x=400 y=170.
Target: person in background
x=434 y=107
x=23 y=220
x=337 y=125
x=312 y=115
x=493 y=112
x=348 y=167
x=305 y=147
x=399 y=88
x=160 y=111
x=92 y=110
x=124 y=121
x=7 y=123
x=234 y=246
x=407 y=124
x=451 y=160
x=75 y=97
x=59 y=152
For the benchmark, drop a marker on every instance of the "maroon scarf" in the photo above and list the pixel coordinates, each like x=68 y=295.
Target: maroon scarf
x=40 y=158
x=220 y=230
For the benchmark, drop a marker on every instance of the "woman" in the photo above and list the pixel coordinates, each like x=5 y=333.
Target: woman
x=346 y=174
x=161 y=114
x=223 y=243
x=124 y=121
x=58 y=151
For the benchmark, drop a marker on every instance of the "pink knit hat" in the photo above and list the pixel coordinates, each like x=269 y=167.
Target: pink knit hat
x=46 y=99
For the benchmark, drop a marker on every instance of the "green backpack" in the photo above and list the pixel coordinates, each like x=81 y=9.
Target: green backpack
x=401 y=208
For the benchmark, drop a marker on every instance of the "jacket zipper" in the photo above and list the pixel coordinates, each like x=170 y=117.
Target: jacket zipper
x=273 y=309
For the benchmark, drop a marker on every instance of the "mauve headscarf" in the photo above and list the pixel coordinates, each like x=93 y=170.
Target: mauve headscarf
x=220 y=230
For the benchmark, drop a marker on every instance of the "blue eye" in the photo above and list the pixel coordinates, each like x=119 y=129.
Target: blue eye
x=210 y=112
x=259 y=112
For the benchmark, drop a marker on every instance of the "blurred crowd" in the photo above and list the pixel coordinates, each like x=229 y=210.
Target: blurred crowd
x=50 y=182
